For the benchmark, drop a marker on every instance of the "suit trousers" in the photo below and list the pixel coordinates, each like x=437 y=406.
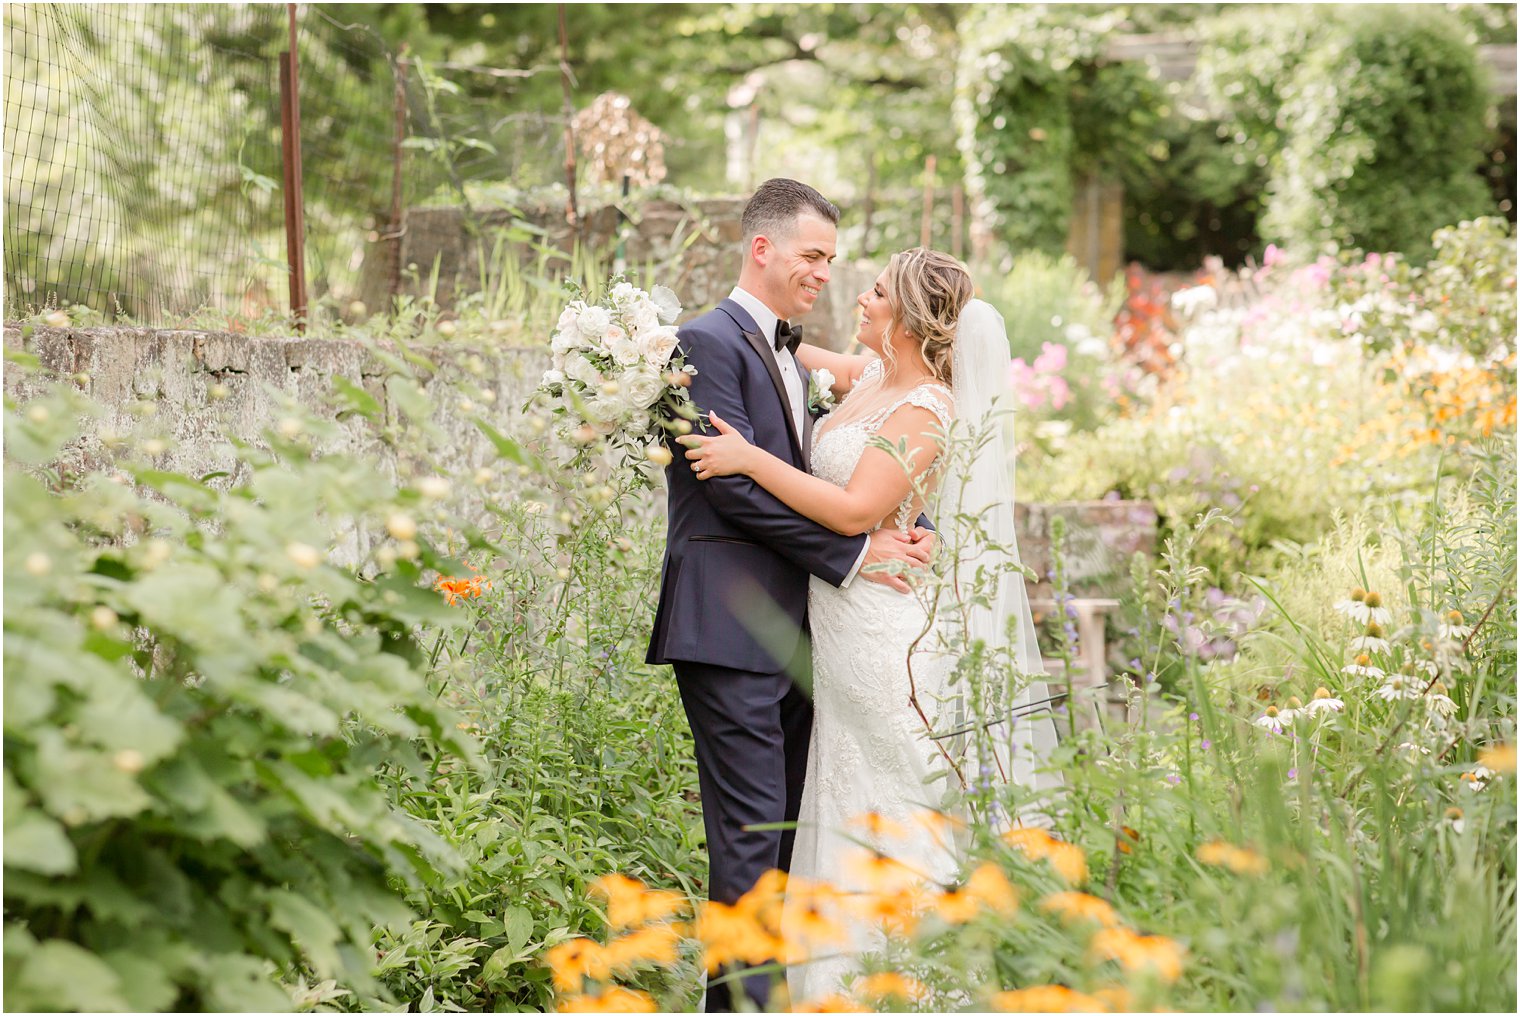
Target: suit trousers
x=751 y=732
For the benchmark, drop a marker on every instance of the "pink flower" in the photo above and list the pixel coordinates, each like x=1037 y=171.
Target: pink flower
x=1060 y=392
x=1052 y=358
x=1273 y=256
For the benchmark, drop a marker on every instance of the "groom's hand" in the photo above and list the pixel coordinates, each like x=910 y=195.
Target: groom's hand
x=889 y=545
x=924 y=538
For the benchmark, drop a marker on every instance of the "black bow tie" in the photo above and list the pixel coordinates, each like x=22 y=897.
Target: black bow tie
x=788 y=336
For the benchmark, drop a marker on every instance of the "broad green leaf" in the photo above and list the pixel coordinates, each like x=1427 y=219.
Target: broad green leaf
x=84 y=784
x=518 y=925
x=59 y=976
x=309 y=927
x=35 y=842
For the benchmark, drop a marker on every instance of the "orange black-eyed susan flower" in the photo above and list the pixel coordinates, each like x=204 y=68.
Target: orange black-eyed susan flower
x=1240 y=860
x=1136 y=952
x=888 y=985
x=990 y=887
x=1067 y=859
x=897 y=912
x=614 y=999
x=877 y=825
x=1074 y=907
x=630 y=903
x=1045 y=998
x=830 y=1003
x=731 y=935
x=1125 y=839
x=654 y=943
x=573 y=961
x=879 y=872
x=1500 y=758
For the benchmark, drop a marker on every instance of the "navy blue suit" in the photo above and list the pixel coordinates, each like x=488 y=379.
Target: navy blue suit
x=732 y=616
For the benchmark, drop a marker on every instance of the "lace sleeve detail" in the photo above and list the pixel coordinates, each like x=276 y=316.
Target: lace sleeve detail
x=936 y=400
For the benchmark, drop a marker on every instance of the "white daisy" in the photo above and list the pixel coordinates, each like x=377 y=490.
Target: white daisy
x=1361 y=666
x=1478 y=778
x=1399 y=686
x=1271 y=720
x=1323 y=702
x=1438 y=701
x=1411 y=748
x=1369 y=644
x=1452 y=627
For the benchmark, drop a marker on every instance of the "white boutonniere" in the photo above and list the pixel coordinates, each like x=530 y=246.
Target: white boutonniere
x=820 y=396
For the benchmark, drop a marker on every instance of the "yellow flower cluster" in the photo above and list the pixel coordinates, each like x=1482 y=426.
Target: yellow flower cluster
x=1240 y=860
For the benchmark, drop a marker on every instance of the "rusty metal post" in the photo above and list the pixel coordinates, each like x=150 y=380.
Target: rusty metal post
x=290 y=149
x=397 y=157
x=925 y=230
x=572 y=214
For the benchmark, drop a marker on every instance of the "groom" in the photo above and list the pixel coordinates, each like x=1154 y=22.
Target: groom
x=732 y=616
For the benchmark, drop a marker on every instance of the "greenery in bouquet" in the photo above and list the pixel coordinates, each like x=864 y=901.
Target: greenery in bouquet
x=617 y=377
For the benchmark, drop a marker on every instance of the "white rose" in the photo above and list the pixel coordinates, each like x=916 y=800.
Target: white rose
x=623 y=349
x=643 y=317
x=569 y=318
x=666 y=303
x=594 y=322
x=552 y=377
x=623 y=292
x=643 y=386
x=658 y=345
x=637 y=425
x=583 y=370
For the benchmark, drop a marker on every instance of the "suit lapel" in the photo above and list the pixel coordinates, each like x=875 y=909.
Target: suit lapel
x=755 y=339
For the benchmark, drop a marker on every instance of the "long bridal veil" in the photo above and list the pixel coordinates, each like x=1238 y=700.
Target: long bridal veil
x=1009 y=718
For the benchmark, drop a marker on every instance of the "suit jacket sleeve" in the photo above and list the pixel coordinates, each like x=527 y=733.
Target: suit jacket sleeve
x=718 y=386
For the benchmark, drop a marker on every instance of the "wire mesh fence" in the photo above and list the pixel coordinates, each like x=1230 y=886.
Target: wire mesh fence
x=144 y=170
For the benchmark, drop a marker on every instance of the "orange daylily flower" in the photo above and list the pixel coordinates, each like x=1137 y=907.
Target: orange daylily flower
x=455 y=590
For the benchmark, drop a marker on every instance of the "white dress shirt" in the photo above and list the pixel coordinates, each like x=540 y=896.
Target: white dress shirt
x=791 y=377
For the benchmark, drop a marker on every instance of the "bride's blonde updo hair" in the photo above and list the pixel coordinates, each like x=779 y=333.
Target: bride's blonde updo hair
x=928 y=289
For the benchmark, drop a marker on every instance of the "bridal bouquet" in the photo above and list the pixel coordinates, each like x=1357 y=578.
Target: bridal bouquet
x=616 y=376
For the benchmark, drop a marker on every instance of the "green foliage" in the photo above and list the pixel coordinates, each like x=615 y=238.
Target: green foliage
x=590 y=765
x=1462 y=298
x=1371 y=120
x=196 y=703
x=1037 y=106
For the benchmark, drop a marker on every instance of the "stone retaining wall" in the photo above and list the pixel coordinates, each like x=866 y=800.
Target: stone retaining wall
x=203 y=385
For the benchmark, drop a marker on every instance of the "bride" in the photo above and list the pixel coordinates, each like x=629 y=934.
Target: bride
x=880 y=686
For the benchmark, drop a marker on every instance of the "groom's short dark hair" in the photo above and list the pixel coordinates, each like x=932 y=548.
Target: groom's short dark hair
x=774 y=208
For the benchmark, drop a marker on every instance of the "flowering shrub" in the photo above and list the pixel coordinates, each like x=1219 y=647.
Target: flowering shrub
x=196 y=701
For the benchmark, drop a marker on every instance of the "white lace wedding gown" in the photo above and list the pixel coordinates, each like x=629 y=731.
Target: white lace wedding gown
x=869 y=750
